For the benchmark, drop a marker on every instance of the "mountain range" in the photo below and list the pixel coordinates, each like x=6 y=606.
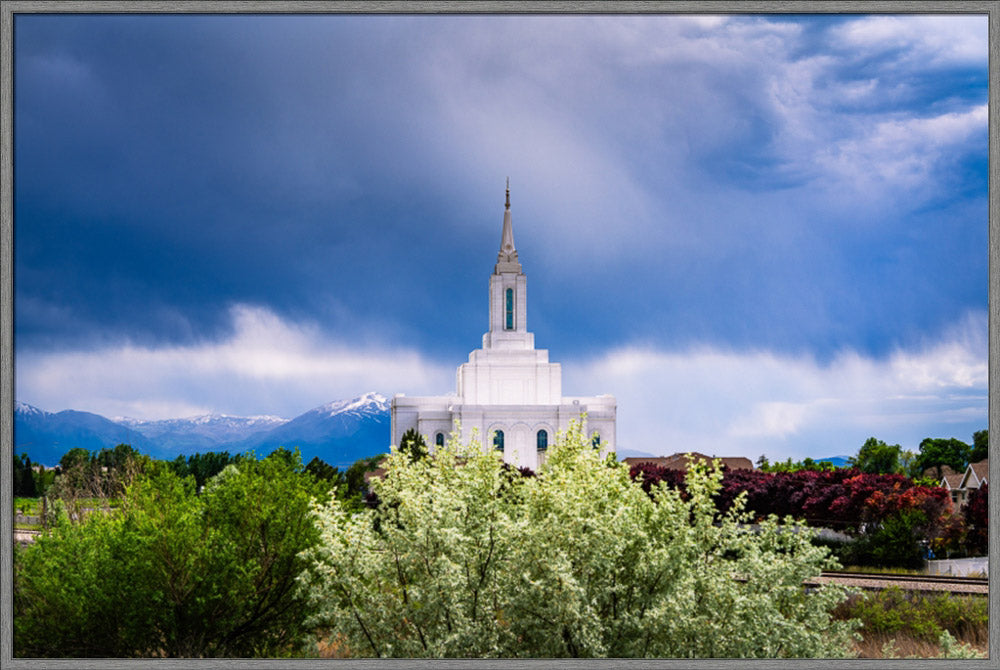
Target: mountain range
x=339 y=432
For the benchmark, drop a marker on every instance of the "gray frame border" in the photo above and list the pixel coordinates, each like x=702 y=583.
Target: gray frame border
x=9 y=9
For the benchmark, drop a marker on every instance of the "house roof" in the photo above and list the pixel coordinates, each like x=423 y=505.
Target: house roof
x=976 y=474
x=952 y=481
x=680 y=461
x=945 y=471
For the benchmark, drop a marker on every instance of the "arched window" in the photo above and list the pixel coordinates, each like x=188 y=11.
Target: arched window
x=543 y=440
x=596 y=441
x=498 y=440
x=509 y=310
x=439 y=440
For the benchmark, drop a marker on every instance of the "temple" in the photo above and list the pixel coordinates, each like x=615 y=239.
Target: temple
x=508 y=391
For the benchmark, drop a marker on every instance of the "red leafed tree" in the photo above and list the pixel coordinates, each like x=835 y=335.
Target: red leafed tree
x=844 y=499
x=977 y=520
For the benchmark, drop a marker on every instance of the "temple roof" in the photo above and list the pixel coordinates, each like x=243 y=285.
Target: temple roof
x=507 y=257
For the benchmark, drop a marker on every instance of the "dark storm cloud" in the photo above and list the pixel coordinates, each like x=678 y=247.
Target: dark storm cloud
x=291 y=205
x=169 y=166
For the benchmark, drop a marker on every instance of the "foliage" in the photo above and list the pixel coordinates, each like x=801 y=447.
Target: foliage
x=875 y=507
x=937 y=452
x=465 y=557
x=925 y=616
x=895 y=541
x=977 y=521
x=877 y=457
x=320 y=469
x=24 y=479
x=202 y=466
x=173 y=573
x=28 y=506
x=98 y=477
x=413 y=444
x=980 y=446
x=789 y=465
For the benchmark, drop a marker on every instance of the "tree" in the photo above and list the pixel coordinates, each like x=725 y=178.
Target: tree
x=320 y=469
x=465 y=557
x=980 y=446
x=24 y=477
x=877 y=458
x=204 y=466
x=413 y=443
x=977 y=521
x=937 y=452
x=174 y=573
x=77 y=457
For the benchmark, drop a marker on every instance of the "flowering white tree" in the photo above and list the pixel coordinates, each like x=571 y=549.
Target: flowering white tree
x=466 y=557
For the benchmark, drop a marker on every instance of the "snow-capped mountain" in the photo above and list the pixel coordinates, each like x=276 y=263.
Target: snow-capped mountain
x=204 y=432
x=339 y=432
x=46 y=436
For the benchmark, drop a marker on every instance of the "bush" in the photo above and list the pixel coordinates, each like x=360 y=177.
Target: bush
x=173 y=573
x=894 y=542
x=926 y=617
x=464 y=557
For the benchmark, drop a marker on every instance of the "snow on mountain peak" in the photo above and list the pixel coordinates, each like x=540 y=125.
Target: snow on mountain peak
x=368 y=402
x=26 y=409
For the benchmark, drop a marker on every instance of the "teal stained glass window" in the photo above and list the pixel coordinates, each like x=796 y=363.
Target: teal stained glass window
x=509 y=311
x=498 y=440
x=543 y=440
x=439 y=440
x=596 y=441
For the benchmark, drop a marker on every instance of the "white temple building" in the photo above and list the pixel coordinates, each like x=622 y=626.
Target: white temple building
x=508 y=392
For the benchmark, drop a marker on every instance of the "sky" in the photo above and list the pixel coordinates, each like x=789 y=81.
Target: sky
x=764 y=234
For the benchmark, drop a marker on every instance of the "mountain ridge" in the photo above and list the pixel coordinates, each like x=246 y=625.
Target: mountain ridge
x=339 y=432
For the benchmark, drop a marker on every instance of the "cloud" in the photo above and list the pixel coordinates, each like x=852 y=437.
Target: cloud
x=705 y=399
x=748 y=403
x=927 y=39
x=267 y=366
x=903 y=154
x=745 y=181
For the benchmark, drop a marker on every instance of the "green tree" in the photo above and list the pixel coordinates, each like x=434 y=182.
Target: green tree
x=466 y=557
x=75 y=457
x=937 y=452
x=320 y=469
x=205 y=466
x=413 y=444
x=878 y=458
x=980 y=446
x=174 y=573
x=24 y=477
x=355 y=475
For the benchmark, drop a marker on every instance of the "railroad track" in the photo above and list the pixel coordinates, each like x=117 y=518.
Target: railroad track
x=933 y=583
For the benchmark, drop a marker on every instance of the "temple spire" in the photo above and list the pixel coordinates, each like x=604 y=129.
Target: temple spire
x=507 y=258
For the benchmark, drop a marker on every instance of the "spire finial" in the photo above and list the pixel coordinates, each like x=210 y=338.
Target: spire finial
x=508 y=192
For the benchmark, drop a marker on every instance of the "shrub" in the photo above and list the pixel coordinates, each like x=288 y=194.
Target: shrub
x=923 y=616
x=464 y=557
x=173 y=573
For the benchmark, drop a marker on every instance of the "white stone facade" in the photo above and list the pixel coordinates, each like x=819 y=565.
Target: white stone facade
x=508 y=392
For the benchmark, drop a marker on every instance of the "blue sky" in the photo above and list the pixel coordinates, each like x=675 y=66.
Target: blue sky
x=763 y=234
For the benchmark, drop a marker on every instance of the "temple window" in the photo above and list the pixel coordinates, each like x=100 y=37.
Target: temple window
x=509 y=310
x=543 y=440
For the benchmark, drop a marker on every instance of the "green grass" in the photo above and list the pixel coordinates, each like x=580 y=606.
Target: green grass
x=882 y=570
x=29 y=506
